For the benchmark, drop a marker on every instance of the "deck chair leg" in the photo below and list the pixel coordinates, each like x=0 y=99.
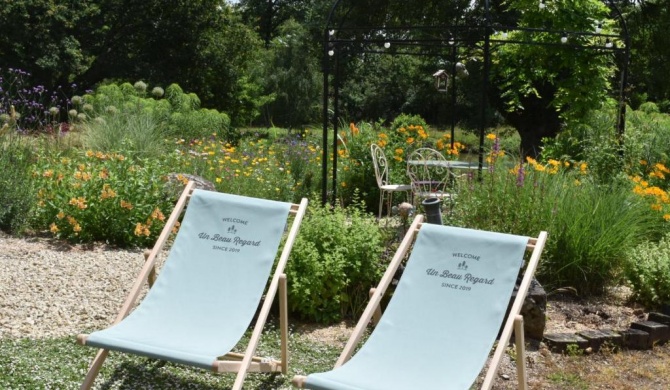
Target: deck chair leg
x=94 y=369
x=152 y=274
x=283 y=322
x=377 y=316
x=520 y=343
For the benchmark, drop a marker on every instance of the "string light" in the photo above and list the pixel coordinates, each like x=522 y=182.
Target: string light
x=387 y=45
x=542 y=5
x=599 y=27
x=564 y=38
x=608 y=43
x=331 y=52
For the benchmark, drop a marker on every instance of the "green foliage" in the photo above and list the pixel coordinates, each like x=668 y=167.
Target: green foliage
x=356 y=173
x=648 y=272
x=593 y=227
x=293 y=77
x=283 y=171
x=646 y=140
x=102 y=197
x=590 y=225
x=17 y=195
x=125 y=118
x=335 y=261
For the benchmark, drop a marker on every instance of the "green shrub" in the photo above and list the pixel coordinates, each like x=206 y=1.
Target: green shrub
x=113 y=111
x=648 y=271
x=335 y=261
x=17 y=195
x=102 y=197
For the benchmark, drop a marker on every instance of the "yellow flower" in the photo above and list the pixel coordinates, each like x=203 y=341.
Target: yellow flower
x=491 y=136
x=126 y=205
x=89 y=153
x=582 y=167
x=175 y=228
x=410 y=140
x=104 y=174
x=53 y=228
x=76 y=228
x=344 y=184
x=398 y=151
x=48 y=173
x=60 y=215
x=142 y=230
x=80 y=202
x=107 y=192
x=157 y=214
x=666 y=217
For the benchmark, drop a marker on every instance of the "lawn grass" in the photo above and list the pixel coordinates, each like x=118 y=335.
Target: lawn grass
x=62 y=364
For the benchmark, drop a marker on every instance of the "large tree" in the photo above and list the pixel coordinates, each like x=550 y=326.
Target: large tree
x=200 y=44
x=557 y=78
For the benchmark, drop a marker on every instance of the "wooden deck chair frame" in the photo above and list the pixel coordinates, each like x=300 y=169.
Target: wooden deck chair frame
x=232 y=362
x=513 y=322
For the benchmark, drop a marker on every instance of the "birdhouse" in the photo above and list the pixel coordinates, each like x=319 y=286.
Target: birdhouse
x=441 y=80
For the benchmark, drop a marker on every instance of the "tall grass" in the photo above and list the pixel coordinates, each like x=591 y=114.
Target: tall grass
x=591 y=226
x=138 y=135
x=17 y=195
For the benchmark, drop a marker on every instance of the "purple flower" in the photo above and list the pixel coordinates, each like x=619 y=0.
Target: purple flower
x=520 y=176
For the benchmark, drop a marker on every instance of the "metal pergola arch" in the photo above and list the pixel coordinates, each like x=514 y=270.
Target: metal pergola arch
x=479 y=36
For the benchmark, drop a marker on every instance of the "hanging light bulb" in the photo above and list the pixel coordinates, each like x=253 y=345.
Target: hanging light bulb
x=564 y=38
x=451 y=40
x=331 y=52
x=331 y=32
x=599 y=27
x=387 y=44
x=608 y=43
x=504 y=34
x=542 y=5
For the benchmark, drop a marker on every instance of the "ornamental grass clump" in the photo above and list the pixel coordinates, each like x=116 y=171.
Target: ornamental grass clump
x=96 y=196
x=17 y=195
x=590 y=225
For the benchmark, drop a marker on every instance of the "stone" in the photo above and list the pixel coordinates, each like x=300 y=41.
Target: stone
x=660 y=318
x=176 y=182
x=635 y=339
x=602 y=337
x=559 y=342
x=658 y=333
x=533 y=310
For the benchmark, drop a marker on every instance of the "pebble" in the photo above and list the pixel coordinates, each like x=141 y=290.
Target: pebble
x=51 y=289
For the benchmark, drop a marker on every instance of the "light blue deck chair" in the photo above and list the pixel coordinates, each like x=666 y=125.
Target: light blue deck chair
x=209 y=288
x=442 y=321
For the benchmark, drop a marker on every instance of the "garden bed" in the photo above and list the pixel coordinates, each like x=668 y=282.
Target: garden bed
x=50 y=291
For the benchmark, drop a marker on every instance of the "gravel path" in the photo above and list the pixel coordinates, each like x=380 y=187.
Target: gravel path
x=51 y=289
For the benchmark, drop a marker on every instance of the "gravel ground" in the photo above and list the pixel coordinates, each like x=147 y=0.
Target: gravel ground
x=51 y=289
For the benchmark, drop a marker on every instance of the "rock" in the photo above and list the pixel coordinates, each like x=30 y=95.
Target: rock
x=533 y=310
x=176 y=182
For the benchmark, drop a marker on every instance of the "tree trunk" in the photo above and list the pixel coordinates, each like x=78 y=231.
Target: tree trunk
x=537 y=120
